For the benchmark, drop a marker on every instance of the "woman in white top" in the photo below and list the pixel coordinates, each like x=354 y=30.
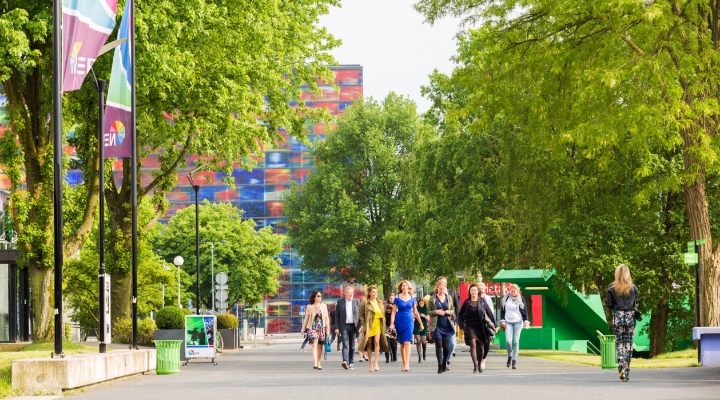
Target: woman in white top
x=514 y=317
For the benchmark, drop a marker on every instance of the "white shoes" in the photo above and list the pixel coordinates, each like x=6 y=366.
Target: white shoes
x=482 y=364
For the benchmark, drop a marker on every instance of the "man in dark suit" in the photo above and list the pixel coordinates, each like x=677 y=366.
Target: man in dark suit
x=347 y=319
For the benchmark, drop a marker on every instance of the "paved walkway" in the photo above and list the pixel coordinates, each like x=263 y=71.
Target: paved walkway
x=281 y=371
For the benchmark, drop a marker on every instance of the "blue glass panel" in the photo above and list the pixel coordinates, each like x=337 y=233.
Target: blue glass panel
x=243 y=177
x=252 y=192
x=252 y=210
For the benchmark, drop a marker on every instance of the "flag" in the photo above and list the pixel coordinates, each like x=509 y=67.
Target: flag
x=118 y=110
x=86 y=26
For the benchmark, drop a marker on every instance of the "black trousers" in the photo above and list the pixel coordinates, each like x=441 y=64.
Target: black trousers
x=392 y=345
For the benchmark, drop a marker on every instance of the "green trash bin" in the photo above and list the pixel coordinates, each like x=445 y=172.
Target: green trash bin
x=608 y=356
x=168 y=356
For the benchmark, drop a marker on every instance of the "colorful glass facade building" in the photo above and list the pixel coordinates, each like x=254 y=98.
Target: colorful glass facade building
x=258 y=193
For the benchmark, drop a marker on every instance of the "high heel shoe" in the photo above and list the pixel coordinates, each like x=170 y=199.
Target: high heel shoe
x=440 y=369
x=509 y=360
x=419 y=359
x=475 y=369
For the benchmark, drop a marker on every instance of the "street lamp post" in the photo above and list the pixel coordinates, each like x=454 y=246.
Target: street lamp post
x=178 y=261
x=212 y=271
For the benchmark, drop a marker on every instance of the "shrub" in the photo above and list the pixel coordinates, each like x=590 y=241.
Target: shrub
x=187 y=311
x=122 y=331
x=170 y=318
x=227 y=321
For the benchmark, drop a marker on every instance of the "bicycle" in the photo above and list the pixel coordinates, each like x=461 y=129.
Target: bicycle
x=219 y=343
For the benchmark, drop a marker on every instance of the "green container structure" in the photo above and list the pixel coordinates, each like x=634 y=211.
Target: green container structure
x=608 y=357
x=168 y=356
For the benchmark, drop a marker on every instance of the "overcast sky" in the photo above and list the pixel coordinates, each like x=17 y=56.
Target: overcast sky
x=396 y=49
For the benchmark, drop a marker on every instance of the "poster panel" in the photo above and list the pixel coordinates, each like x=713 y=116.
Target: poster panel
x=200 y=334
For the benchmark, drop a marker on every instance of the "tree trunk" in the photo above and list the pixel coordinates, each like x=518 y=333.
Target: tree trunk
x=121 y=296
x=658 y=327
x=387 y=285
x=41 y=286
x=699 y=221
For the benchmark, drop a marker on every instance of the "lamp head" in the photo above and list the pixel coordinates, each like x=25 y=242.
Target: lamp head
x=178 y=261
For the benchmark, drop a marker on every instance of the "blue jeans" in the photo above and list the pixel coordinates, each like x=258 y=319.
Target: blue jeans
x=348 y=341
x=453 y=343
x=512 y=338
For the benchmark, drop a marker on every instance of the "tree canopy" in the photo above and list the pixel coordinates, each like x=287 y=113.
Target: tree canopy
x=248 y=256
x=343 y=217
x=225 y=73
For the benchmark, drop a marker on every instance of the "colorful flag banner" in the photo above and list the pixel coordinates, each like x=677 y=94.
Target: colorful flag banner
x=118 y=110
x=85 y=28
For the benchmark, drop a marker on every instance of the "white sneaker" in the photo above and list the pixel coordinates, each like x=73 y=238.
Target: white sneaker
x=345 y=364
x=482 y=364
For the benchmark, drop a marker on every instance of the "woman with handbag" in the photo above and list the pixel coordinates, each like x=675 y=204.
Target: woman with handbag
x=317 y=326
x=514 y=318
x=391 y=334
x=372 y=318
x=622 y=299
x=472 y=320
x=441 y=309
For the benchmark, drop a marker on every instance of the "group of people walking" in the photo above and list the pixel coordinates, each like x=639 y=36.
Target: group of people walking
x=388 y=327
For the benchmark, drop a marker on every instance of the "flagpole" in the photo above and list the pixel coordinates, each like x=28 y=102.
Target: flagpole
x=133 y=161
x=101 y=223
x=57 y=171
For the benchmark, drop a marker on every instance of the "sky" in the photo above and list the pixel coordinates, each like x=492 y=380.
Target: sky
x=396 y=49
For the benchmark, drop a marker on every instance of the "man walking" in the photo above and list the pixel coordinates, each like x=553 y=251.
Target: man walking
x=347 y=318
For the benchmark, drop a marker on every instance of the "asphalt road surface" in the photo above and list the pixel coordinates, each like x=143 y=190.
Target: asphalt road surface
x=281 y=371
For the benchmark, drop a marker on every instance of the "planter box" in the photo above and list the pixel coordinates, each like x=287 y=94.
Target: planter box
x=229 y=338
x=173 y=334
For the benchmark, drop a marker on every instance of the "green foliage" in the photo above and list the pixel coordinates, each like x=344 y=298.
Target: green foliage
x=187 y=311
x=80 y=285
x=227 y=321
x=170 y=318
x=597 y=119
x=340 y=219
x=248 y=256
x=122 y=331
x=227 y=71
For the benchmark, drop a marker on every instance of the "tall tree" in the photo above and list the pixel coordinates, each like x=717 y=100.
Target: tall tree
x=247 y=256
x=600 y=70
x=342 y=218
x=225 y=72
x=26 y=149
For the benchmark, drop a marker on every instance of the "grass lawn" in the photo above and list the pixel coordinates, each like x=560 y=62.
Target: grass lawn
x=677 y=359
x=40 y=349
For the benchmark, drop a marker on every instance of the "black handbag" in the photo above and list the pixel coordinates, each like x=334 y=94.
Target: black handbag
x=489 y=326
x=637 y=315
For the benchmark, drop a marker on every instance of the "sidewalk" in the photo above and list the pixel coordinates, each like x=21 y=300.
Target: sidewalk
x=282 y=371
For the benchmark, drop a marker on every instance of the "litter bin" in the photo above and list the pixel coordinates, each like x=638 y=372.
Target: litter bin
x=608 y=356
x=168 y=356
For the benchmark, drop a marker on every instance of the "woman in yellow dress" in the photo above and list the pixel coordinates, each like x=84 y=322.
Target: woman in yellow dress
x=372 y=319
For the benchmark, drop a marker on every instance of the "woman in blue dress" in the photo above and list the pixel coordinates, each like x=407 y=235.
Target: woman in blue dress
x=403 y=314
x=441 y=310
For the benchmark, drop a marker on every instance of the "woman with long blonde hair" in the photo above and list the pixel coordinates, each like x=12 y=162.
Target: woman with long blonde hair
x=622 y=299
x=404 y=311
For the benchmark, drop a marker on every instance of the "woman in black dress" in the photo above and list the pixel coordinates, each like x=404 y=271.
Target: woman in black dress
x=390 y=355
x=472 y=318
